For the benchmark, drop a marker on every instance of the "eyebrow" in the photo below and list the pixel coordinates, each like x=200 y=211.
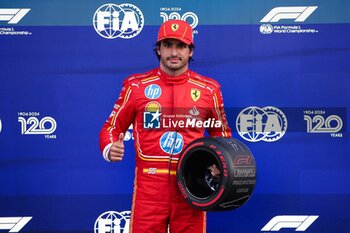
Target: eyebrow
x=171 y=43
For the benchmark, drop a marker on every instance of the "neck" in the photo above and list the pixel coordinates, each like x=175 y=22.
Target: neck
x=173 y=80
x=173 y=72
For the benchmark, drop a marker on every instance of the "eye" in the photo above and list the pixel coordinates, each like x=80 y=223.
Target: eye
x=182 y=46
x=167 y=44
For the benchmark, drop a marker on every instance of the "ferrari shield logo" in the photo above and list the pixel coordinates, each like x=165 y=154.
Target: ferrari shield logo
x=195 y=94
x=174 y=27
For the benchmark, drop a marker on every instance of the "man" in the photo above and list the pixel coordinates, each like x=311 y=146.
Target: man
x=167 y=107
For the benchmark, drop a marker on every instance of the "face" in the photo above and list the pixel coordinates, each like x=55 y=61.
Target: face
x=174 y=56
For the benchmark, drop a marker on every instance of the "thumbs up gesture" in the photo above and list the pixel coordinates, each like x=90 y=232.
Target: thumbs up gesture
x=116 y=151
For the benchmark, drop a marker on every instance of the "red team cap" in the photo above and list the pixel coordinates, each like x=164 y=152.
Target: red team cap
x=176 y=29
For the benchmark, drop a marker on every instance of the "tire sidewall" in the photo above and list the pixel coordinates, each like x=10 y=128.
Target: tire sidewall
x=221 y=149
x=219 y=152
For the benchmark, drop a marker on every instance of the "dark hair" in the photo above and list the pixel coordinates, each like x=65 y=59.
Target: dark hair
x=157 y=45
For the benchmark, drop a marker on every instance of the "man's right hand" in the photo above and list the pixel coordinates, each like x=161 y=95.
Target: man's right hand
x=116 y=151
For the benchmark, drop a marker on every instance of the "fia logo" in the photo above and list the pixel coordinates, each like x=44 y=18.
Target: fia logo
x=171 y=143
x=112 y=221
x=266 y=29
x=112 y=21
x=267 y=124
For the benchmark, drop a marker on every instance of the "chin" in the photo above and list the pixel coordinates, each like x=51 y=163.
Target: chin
x=174 y=67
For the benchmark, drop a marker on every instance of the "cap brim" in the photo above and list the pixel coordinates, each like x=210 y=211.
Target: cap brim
x=188 y=42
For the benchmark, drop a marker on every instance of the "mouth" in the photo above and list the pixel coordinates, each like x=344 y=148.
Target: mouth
x=174 y=59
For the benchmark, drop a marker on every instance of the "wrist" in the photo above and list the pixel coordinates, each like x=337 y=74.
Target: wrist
x=106 y=152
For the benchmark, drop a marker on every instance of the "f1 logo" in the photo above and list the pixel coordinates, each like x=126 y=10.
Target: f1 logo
x=299 y=13
x=13 y=16
x=300 y=222
x=14 y=224
x=243 y=160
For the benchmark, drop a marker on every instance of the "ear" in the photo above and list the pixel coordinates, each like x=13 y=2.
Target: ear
x=158 y=50
x=191 y=52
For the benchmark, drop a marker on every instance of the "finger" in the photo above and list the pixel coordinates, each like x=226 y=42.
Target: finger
x=115 y=156
x=117 y=150
x=116 y=159
x=121 y=138
x=117 y=145
x=216 y=173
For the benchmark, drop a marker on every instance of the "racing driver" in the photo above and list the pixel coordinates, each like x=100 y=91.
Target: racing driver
x=169 y=107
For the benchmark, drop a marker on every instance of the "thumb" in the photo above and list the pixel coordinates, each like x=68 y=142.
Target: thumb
x=121 y=137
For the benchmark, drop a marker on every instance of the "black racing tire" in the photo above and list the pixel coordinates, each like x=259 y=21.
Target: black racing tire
x=235 y=184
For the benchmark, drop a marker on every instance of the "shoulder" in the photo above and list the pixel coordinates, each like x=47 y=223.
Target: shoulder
x=205 y=81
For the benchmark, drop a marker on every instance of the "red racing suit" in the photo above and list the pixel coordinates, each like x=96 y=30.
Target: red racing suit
x=167 y=114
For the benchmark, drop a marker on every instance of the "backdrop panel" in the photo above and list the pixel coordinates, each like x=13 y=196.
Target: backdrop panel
x=287 y=62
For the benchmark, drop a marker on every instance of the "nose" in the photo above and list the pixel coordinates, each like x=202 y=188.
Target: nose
x=173 y=51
